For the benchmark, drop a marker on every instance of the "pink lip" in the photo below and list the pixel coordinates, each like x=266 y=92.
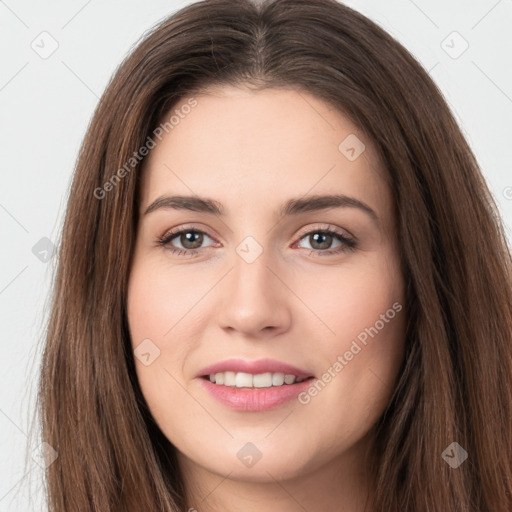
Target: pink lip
x=254 y=367
x=254 y=399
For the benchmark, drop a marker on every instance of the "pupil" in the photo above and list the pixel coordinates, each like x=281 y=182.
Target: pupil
x=190 y=235
x=327 y=239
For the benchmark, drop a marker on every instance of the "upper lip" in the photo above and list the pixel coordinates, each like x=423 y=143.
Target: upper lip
x=254 y=367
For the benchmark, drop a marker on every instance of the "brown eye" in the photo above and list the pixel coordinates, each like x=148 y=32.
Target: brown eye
x=191 y=239
x=321 y=241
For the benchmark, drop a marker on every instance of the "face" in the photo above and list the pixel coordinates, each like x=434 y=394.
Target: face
x=266 y=283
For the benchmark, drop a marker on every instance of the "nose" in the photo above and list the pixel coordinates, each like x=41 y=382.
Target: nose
x=255 y=300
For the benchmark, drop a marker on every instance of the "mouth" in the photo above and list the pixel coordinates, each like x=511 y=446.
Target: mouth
x=254 y=385
x=248 y=380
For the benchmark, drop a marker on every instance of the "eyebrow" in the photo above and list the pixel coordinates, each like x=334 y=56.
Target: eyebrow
x=293 y=206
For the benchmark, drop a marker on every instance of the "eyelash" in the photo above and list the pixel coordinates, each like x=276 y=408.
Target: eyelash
x=348 y=244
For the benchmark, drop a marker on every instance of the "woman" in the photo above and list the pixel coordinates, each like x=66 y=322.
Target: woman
x=200 y=357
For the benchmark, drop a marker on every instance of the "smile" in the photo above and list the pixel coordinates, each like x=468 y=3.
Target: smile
x=248 y=380
x=254 y=386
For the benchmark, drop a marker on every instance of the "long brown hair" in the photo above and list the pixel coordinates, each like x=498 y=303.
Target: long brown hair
x=455 y=383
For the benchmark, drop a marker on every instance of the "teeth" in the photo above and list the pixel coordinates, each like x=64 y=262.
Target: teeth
x=278 y=379
x=262 y=380
x=248 y=380
x=289 y=379
x=229 y=378
x=243 y=380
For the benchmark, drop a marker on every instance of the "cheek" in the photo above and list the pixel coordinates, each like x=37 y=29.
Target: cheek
x=148 y=317
x=360 y=357
x=146 y=304
x=353 y=299
x=161 y=318
x=158 y=297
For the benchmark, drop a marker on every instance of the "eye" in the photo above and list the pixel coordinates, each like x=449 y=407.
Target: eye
x=322 y=239
x=190 y=239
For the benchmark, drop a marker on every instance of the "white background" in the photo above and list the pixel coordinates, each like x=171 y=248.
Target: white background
x=46 y=105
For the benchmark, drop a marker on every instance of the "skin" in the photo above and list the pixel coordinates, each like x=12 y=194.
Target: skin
x=251 y=151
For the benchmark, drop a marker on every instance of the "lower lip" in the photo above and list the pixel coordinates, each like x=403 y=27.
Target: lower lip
x=255 y=399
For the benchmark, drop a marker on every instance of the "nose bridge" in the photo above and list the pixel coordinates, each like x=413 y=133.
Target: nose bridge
x=253 y=297
x=251 y=276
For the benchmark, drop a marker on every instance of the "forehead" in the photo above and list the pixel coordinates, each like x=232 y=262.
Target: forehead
x=249 y=149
